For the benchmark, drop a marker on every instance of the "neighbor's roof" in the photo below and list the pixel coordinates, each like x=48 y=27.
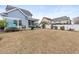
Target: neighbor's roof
x=10 y=8
x=76 y=18
x=33 y=19
x=61 y=18
x=47 y=18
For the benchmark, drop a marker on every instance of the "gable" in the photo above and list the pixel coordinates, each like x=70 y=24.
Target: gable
x=26 y=12
x=45 y=20
x=9 y=7
x=17 y=14
x=63 y=18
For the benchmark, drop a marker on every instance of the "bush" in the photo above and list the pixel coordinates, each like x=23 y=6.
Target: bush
x=44 y=25
x=2 y=24
x=62 y=28
x=71 y=29
x=32 y=27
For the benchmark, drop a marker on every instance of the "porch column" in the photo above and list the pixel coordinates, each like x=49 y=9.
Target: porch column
x=18 y=23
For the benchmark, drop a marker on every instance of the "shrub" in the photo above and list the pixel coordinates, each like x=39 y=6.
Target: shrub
x=71 y=29
x=62 y=28
x=44 y=25
x=32 y=27
x=2 y=24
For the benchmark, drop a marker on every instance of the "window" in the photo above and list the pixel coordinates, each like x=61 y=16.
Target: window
x=31 y=23
x=20 y=22
x=15 y=22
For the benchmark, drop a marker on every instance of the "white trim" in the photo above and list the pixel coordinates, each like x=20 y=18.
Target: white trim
x=10 y=10
x=16 y=9
x=22 y=12
x=12 y=18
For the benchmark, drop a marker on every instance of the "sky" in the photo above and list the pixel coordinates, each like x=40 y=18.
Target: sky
x=51 y=11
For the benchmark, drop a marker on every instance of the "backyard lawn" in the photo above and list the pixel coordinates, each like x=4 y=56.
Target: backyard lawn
x=40 y=41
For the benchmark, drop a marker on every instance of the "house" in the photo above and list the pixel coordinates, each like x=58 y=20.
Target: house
x=61 y=20
x=76 y=20
x=45 y=22
x=57 y=23
x=20 y=17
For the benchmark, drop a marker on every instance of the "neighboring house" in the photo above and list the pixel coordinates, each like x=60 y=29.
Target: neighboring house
x=54 y=23
x=45 y=22
x=21 y=16
x=60 y=21
x=76 y=20
x=66 y=23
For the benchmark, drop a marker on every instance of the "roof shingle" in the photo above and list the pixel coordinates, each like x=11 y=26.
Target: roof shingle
x=26 y=12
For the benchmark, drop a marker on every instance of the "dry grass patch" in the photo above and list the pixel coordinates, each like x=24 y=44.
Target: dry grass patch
x=40 y=41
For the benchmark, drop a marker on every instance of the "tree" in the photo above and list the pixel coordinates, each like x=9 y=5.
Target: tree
x=44 y=25
x=2 y=24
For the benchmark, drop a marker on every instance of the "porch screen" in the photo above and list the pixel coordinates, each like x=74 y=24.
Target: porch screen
x=15 y=22
x=20 y=23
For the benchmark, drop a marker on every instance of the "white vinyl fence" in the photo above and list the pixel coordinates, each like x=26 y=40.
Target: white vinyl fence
x=67 y=27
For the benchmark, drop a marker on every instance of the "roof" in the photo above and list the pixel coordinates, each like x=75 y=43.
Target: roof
x=33 y=19
x=61 y=18
x=47 y=18
x=76 y=18
x=10 y=8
